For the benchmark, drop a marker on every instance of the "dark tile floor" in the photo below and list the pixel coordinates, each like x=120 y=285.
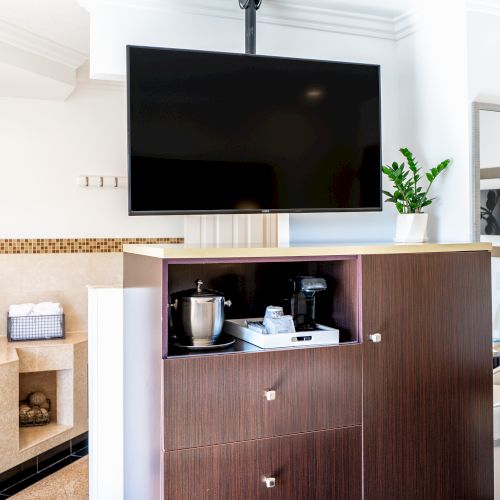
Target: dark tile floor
x=38 y=468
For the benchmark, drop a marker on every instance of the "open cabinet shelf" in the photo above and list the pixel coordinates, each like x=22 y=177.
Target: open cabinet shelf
x=253 y=284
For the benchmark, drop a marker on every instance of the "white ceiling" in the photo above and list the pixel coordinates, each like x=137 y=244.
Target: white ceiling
x=66 y=22
x=62 y=21
x=48 y=31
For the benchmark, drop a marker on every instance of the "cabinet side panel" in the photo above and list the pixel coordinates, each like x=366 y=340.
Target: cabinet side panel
x=427 y=390
x=345 y=300
x=142 y=377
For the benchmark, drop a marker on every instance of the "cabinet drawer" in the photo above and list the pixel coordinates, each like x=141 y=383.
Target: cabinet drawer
x=324 y=465
x=221 y=399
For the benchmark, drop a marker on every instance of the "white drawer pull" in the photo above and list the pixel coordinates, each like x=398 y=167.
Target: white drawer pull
x=375 y=338
x=270 y=395
x=270 y=482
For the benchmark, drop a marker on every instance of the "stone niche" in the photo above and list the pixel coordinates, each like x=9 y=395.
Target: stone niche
x=57 y=368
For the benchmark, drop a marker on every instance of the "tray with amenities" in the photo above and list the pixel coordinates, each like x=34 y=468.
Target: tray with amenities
x=248 y=330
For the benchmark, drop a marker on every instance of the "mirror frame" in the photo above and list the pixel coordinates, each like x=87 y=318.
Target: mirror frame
x=477 y=107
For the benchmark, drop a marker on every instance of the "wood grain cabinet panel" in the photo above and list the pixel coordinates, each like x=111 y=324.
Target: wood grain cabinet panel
x=221 y=399
x=213 y=399
x=427 y=420
x=315 y=389
x=323 y=465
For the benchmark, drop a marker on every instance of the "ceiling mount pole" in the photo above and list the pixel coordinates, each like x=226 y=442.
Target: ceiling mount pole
x=251 y=7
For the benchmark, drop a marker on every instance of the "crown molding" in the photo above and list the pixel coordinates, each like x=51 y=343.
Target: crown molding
x=488 y=7
x=321 y=18
x=98 y=84
x=30 y=42
x=407 y=24
x=316 y=15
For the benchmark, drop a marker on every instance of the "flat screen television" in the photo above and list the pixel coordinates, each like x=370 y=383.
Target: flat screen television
x=234 y=133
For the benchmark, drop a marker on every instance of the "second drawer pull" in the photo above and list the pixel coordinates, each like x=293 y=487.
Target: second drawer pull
x=269 y=481
x=270 y=395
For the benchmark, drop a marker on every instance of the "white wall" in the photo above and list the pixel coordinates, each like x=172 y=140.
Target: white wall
x=183 y=29
x=434 y=111
x=484 y=56
x=286 y=41
x=484 y=86
x=45 y=145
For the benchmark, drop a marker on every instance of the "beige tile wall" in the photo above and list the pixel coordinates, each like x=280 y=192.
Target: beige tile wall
x=76 y=245
x=56 y=277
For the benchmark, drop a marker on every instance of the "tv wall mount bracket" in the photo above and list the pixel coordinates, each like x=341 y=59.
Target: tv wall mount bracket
x=250 y=7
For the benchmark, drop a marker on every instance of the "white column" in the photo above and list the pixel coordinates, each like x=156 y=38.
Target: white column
x=105 y=393
x=257 y=230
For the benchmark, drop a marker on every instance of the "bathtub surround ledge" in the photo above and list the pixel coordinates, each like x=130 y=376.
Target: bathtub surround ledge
x=58 y=368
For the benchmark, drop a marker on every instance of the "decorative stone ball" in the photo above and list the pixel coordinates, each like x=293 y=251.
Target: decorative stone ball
x=37 y=398
x=44 y=412
x=30 y=414
x=23 y=410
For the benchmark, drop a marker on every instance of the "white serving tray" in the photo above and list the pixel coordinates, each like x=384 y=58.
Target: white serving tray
x=324 y=336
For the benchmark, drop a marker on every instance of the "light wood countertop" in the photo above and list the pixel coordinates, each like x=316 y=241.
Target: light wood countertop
x=183 y=252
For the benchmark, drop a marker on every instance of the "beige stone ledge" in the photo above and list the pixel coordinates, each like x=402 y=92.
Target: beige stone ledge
x=61 y=363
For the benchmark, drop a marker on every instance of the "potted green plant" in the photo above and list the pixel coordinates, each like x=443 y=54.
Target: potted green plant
x=409 y=197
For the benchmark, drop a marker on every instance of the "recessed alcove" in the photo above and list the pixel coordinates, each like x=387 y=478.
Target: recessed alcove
x=58 y=368
x=57 y=385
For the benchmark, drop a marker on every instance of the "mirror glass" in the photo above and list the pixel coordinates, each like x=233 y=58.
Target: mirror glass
x=489 y=174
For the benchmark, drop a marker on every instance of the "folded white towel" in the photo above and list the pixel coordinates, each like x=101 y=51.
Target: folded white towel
x=16 y=310
x=42 y=309
x=47 y=309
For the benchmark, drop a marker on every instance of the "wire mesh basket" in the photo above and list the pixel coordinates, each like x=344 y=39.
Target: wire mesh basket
x=35 y=327
x=33 y=416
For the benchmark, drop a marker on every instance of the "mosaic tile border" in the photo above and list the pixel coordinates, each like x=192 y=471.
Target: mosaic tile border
x=77 y=245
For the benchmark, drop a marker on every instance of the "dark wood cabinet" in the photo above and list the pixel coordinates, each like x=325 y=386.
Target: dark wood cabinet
x=403 y=416
x=427 y=419
x=311 y=466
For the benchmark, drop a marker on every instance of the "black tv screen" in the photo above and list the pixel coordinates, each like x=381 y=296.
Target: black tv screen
x=226 y=133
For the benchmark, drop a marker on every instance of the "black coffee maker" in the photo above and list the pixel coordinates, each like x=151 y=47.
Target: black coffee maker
x=301 y=303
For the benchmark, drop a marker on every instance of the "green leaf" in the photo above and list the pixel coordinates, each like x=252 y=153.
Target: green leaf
x=429 y=176
x=387 y=171
x=442 y=166
x=409 y=158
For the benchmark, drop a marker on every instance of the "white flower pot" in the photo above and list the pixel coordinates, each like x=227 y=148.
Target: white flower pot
x=411 y=228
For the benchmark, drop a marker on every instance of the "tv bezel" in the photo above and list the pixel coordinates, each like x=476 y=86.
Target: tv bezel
x=243 y=211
